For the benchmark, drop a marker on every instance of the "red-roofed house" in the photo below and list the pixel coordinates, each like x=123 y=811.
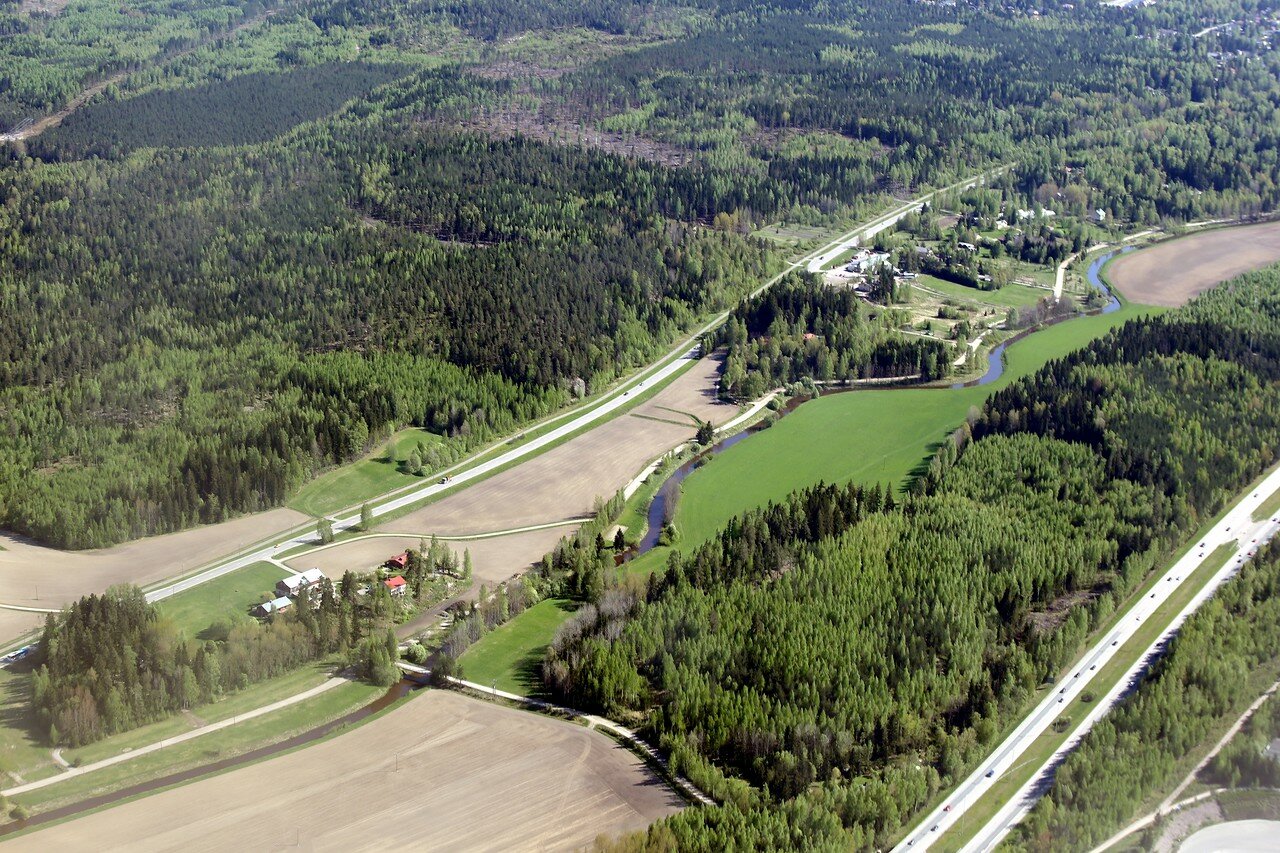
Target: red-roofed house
x=396 y=585
x=399 y=561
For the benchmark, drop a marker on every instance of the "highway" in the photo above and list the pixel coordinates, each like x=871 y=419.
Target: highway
x=1236 y=526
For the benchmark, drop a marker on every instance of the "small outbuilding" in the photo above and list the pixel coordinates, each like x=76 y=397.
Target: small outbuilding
x=276 y=605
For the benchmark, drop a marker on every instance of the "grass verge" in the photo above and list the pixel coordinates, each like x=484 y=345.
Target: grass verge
x=510 y=655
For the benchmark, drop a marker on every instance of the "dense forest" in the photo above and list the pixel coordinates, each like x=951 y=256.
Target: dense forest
x=801 y=329
x=852 y=658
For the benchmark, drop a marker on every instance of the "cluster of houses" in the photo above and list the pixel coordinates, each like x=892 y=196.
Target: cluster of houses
x=304 y=586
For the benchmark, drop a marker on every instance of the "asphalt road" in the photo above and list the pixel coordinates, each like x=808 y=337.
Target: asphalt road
x=1236 y=526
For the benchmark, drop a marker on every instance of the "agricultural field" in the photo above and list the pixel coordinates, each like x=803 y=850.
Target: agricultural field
x=422 y=775
x=871 y=436
x=563 y=483
x=510 y=656
x=35 y=576
x=1172 y=272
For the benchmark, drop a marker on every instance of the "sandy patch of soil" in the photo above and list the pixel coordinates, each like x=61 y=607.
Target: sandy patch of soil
x=442 y=772
x=1173 y=272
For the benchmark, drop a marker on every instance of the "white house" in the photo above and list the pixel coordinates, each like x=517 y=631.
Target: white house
x=301 y=582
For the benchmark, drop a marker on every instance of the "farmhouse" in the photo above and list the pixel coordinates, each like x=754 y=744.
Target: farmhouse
x=396 y=585
x=302 y=582
x=399 y=561
x=266 y=608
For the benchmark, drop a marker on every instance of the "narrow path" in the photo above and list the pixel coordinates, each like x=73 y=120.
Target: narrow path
x=39 y=126
x=59 y=760
x=329 y=684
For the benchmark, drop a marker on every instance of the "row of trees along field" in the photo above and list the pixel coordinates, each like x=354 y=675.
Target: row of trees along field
x=113 y=662
x=1224 y=656
x=800 y=328
x=833 y=660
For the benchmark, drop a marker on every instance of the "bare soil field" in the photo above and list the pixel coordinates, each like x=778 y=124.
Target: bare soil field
x=564 y=482
x=442 y=772
x=492 y=560
x=1173 y=272
x=35 y=576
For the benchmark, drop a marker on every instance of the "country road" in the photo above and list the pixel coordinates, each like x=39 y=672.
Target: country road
x=887 y=220
x=1236 y=525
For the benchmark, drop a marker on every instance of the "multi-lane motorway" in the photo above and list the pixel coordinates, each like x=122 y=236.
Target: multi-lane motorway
x=1236 y=526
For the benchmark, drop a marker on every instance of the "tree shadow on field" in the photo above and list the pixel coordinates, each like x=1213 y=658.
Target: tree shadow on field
x=16 y=711
x=922 y=467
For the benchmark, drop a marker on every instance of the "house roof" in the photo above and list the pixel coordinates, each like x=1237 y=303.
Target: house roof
x=400 y=559
x=310 y=576
x=394 y=583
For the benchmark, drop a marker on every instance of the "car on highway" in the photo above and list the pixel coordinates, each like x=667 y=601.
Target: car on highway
x=947 y=807
x=990 y=773
x=446 y=478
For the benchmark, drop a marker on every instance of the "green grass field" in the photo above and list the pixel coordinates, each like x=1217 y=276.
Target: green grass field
x=212 y=747
x=372 y=476
x=509 y=656
x=872 y=436
x=1009 y=296
x=228 y=597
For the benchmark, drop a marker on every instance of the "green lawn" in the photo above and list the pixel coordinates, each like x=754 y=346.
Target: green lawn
x=372 y=476
x=1268 y=508
x=509 y=656
x=1009 y=296
x=23 y=752
x=228 y=597
x=256 y=696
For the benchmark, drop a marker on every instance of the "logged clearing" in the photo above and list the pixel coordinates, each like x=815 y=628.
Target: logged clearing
x=564 y=482
x=493 y=560
x=441 y=772
x=1172 y=273
x=34 y=576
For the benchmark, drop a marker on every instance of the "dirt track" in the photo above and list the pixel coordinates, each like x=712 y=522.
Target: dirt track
x=563 y=482
x=1171 y=273
x=493 y=559
x=442 y=772
x=34 y=576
